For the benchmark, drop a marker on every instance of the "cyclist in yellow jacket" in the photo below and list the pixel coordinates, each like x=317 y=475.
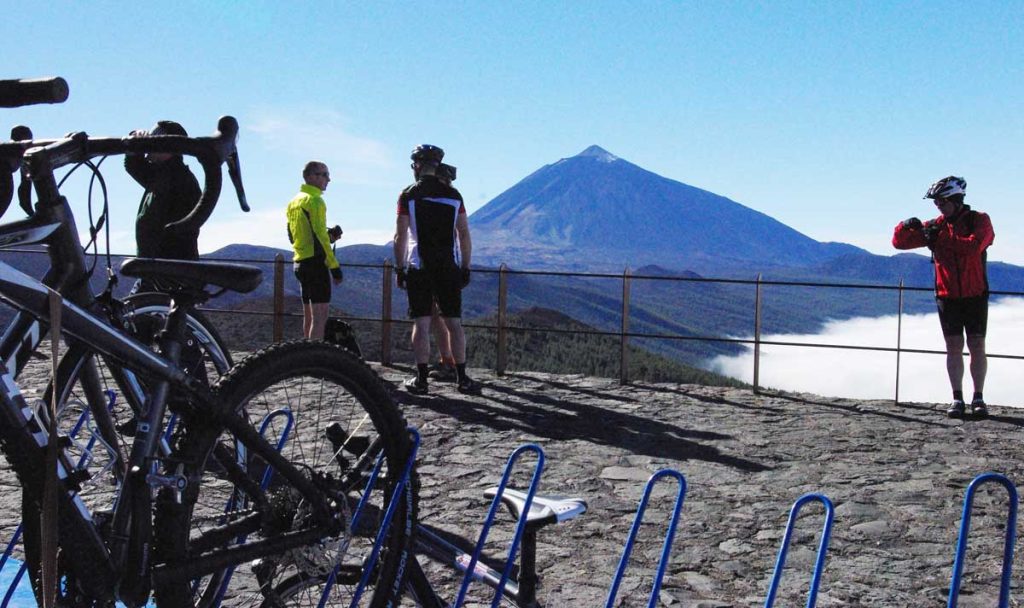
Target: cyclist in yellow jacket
x=314 y=263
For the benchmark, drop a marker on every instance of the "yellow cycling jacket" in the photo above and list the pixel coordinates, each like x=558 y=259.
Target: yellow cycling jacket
x=307 y=226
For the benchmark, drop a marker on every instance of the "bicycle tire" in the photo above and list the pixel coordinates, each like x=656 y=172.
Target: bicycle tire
x=145 y=313
x=208 y=339
x=336 y=400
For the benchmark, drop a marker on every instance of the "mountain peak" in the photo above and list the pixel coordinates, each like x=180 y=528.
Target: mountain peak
x=599 y=153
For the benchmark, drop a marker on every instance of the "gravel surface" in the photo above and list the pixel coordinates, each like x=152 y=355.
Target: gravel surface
x=896 y=475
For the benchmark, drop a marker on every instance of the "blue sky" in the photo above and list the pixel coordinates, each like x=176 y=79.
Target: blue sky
x=831 y=117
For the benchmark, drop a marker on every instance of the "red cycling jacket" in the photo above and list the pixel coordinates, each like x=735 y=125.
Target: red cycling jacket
x=958 y=251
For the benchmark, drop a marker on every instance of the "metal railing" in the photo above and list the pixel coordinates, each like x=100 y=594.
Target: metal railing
x=625 y=335
x=502 y=328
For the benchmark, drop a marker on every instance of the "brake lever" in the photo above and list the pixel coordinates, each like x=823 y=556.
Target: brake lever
x=23 y=133
x=235 y=172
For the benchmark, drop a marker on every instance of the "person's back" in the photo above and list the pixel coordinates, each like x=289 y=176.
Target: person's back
x=171 y=193
x=432 y=250
x=433 y=208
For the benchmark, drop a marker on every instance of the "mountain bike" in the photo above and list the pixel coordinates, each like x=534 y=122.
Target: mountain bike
x=197 y=525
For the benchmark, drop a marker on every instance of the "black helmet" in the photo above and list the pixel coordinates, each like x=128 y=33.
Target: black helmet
x=168 y=127
x=947 y=187
x=446 y=172
x=426 y=153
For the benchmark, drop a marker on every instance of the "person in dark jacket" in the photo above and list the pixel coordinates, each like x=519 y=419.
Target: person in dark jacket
x=171 y=192
x=958 y=239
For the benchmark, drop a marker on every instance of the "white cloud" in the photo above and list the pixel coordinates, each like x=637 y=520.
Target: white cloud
x=872 y=375
x=322 y=134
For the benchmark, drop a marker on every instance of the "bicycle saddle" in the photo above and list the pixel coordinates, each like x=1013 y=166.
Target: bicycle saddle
x=236 y=277
x=544 y=510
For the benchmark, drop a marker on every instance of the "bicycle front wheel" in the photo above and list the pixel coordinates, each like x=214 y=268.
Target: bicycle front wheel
x=97 y=404
x=331 y=418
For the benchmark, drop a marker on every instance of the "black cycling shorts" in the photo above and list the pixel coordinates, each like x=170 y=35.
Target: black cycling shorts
x=963 y=315
x=314 y=280
x=425 y=286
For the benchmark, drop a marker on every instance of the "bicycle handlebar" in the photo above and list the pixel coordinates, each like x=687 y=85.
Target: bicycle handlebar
x=43 y=156
x=27 y=92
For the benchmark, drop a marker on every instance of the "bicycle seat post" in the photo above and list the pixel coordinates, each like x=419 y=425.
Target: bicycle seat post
x=528 y=578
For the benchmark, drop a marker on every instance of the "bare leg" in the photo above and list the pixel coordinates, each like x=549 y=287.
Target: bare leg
x=955 y=361
x=307 y=318
x=320 y=311
x=458 y=338
x=441 y=337
x=979 y=362
x=421 y=340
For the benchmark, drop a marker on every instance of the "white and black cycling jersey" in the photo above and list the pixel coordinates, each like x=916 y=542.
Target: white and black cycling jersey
x=433 y=209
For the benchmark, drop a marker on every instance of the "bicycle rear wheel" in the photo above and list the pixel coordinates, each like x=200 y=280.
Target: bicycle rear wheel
x=331 y=416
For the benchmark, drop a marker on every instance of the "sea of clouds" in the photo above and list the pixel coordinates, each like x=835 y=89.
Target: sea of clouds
x=872 y=375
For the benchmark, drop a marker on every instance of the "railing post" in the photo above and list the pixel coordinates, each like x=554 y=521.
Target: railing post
x=385 y=314
x=899 y=341
x=502 y=346
x=624 y=336
x=757 y=336
x=278 y=298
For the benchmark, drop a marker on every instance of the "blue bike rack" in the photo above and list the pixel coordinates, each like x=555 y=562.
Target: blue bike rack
x=489 y=521
x=83 y=419
x=965 y=528
x=819 y=563
x=289 y=422
x=389 y=514
x=666 y=548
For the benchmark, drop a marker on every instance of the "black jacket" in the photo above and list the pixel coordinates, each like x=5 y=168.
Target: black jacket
x=172 y=191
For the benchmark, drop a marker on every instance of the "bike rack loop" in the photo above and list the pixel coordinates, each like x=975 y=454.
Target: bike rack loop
x=489 y=521
x=965 y=528
x=83 y=419
x=289 y=422
x=670 y=534
x=819 y=563
x=389 y=514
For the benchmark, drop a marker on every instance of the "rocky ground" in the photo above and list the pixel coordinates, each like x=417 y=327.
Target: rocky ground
x=896 y=475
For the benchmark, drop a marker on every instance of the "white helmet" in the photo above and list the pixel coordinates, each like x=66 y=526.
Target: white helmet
x=947 y=187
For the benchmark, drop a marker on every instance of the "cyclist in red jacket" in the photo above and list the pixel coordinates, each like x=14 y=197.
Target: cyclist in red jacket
x=958 y=239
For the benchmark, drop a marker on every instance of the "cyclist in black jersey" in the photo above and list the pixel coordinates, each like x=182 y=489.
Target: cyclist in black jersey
x=432 y=252
x=444 y=369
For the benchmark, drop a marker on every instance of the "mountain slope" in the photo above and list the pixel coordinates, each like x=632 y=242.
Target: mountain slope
x=597 y=209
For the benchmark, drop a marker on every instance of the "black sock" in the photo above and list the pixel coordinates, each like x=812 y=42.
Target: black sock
x=460 y=370
x=422 y=369
x=977 y=396
x=958 y=395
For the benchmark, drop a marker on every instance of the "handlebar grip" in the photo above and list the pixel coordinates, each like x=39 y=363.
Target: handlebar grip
x=27 y=92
